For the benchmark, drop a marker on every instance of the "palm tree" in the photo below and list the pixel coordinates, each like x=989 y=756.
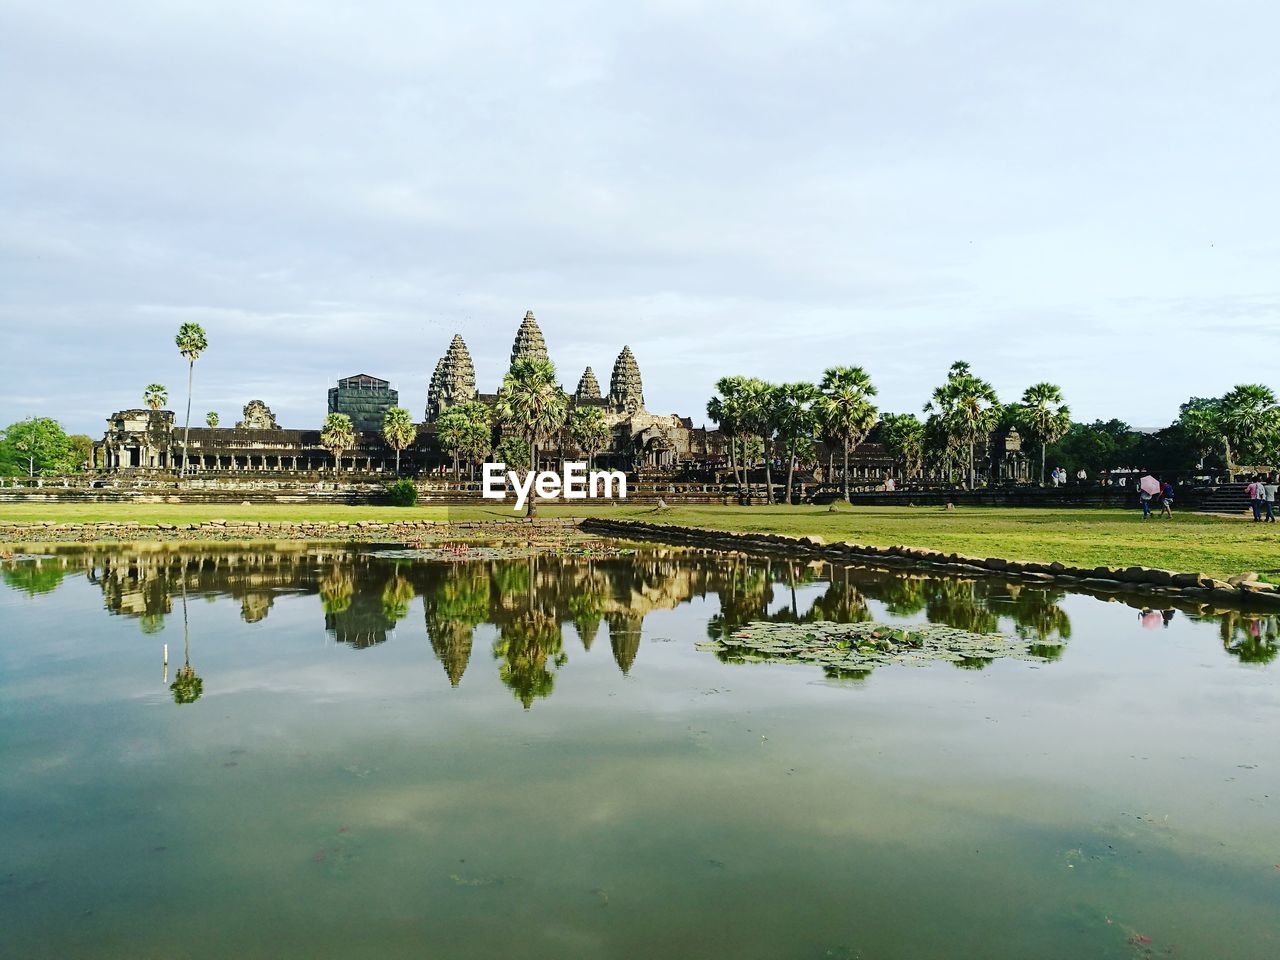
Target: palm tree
x=531 y=401
x=726 y=411
x=1249 y=421
x=1044 y=414
x=212 y=418
x=794 y=416
x=589 y=431
x=191 y=342
x=155 y=396
x=967 y=410
x=399 y=430
x=758 y=416
x=845 y=409
x=337 y=435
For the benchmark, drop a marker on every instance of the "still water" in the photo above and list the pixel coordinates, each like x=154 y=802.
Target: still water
x=491 y=756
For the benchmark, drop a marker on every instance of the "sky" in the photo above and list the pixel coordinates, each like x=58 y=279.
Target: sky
x=1076 y=192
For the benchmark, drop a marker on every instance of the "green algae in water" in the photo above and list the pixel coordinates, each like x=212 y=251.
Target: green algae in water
x=854 y=648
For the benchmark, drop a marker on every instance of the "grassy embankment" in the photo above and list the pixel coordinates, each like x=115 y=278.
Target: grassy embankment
x=1081 y=537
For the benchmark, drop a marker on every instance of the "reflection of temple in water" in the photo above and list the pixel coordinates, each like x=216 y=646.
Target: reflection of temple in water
x=530 y=600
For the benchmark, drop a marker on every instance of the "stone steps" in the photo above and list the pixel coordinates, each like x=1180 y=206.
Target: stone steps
x=1228 y=498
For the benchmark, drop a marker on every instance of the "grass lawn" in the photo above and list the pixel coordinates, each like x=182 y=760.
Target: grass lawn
x=1084 y=537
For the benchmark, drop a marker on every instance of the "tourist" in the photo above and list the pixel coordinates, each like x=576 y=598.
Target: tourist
x=1166 y=500
x=1255 y=499
x=1268 y=486
x=1082 y=477
x=1144 y=498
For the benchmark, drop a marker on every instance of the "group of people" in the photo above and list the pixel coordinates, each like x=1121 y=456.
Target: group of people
x=1165 y=497
x=1058 y=476
x=1261 y=491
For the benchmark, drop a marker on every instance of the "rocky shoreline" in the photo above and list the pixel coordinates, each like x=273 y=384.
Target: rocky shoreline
x=328 y=530
x=1244 y=589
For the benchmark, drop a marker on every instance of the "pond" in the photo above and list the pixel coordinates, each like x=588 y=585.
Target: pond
x=497 y=753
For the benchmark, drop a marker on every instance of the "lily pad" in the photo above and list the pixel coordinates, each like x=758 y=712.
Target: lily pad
x=854 y=648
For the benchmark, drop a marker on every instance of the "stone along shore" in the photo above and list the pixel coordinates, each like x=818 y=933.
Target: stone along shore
x=1243 y=589
x=329 y=530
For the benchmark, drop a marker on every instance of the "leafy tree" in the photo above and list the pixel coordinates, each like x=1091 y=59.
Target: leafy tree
x=337 y=436
x=1200 y=420
x=589 y=431
x=39 y=444
x=399 y=430
x=795 y=421
x=903 y=436
x=212 y=419
x=531 y=401
x=79 y=452
x=191 y=342
x=966 y=409
x=155 y=396
x=846 y=410
x=512 y=450
x=464 y=432
x=1044 y=416
x=1097 y=447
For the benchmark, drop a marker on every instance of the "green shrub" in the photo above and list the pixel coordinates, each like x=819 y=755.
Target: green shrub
x=402 y=493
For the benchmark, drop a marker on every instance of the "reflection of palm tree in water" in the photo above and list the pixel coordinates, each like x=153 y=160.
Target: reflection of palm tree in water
x=524 y=646
x=457 y=604
x=624 y=638
x=842 y=602
x=186 y=686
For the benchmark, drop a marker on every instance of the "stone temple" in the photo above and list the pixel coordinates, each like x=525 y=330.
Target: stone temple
x=641 y=441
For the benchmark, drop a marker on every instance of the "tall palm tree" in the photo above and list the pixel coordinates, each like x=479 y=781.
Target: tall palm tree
x=967 y=409
x=399 y=430
x=155 y=396
x=531 y=401
x=191 y=342
x=846 y=410
x=793 y=410
x=758 y=414
x=588 y=430
x=727 y=412
x=212 y=418
x=1249 y=423
x=337 y=436
x=1044 y=414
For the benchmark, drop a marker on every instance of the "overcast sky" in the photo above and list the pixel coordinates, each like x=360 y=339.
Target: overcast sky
x=1081 y=192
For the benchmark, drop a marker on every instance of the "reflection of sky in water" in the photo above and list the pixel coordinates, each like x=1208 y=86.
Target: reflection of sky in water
x=327 y=799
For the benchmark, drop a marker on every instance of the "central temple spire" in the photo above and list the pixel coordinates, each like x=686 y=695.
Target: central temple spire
x=529 y=342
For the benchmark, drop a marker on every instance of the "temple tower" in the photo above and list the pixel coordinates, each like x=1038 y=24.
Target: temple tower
x=626 y=392
x=588 y=387
x=454 y=379
x=529 y=342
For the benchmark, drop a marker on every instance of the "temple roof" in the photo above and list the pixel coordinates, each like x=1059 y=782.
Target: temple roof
x=588 y=386
x=626 y=391
x=529 y=342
